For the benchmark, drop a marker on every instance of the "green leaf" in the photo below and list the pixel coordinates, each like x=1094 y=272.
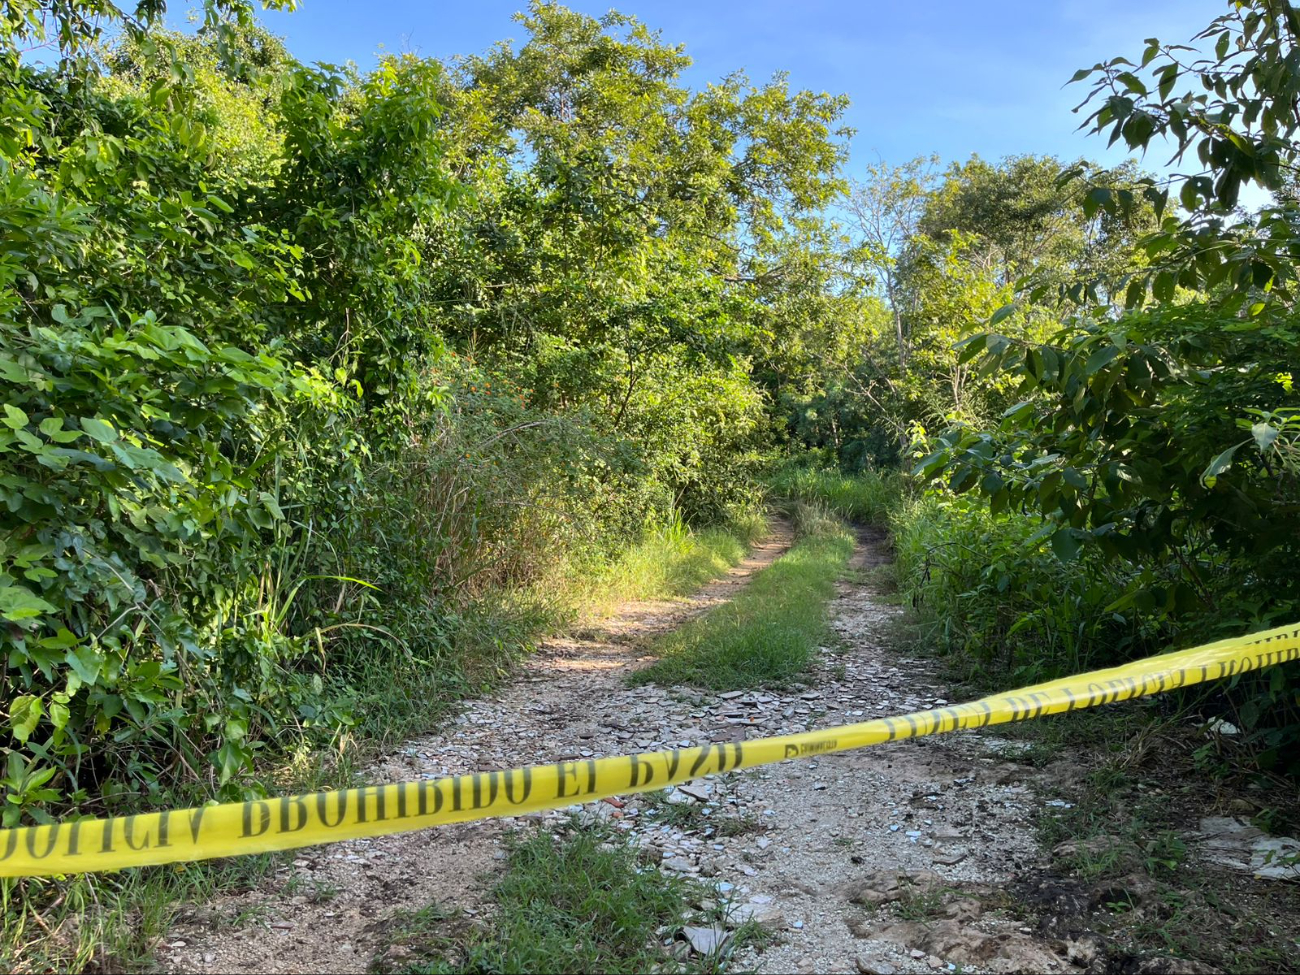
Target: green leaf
x=59 y=715
x=1217 y=466
x=1065 y=543
x=20 y=603
x=24 y=715
x=1164 y=285
x=98 y=429
x=1264 y=435
x=85 y=663
x=1132 y=82
x=1075 y=479
x=1168 y=75
x=52 y=427
x=1003 y=313
x=1100 y=359
x=15 y=419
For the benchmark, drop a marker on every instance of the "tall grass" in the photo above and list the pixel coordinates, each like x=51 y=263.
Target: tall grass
x=989 y=591
x=869 y=497
x=767 y=634
x=670 y=560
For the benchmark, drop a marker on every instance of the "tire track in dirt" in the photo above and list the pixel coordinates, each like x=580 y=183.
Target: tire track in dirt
x=327 y=909
x=829 y=849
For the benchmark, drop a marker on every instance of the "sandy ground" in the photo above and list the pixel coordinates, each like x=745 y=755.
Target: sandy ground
x=943 y=822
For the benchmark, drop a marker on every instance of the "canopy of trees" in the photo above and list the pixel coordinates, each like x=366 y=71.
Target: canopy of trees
x=303 y=363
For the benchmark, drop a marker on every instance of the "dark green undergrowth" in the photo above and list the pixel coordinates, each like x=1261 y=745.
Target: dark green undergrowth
x=394 y=698
x=767 y=634
x=580 y=903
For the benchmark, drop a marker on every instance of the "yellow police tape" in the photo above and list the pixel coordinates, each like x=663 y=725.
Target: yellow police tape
x=326 y=817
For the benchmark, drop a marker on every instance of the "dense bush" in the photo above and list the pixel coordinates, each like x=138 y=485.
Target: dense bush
x=989 y=589
x=313 y=376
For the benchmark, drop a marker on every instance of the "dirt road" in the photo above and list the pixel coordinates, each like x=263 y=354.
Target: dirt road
x=890 y=859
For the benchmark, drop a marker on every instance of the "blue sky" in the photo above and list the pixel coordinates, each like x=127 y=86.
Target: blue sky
x=946 y=76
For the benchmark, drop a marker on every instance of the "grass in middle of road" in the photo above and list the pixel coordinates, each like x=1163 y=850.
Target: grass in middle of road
x=575 y=903
x=766 y=635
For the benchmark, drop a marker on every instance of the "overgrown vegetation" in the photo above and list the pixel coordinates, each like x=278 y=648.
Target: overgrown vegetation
x=1093 y=373
x=317 y=381
x=328 y=390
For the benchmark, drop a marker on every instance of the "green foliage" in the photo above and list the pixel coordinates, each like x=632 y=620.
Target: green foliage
x=633 y=244
x=1020 y=217
x=315 y=378
x=1235 y=107
x=1130 y=440
x=991 y=590
x=868 y=498
x=766 y=635
x=1157 y=443
x=928 y=260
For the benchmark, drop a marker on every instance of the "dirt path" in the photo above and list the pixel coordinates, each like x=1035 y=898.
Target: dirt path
x=939 y=825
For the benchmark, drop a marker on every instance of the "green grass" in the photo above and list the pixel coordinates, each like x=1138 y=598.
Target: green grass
x=868 y=497
x=577 y=904
x=671 y=560
x=110 y=922
x=767 y=634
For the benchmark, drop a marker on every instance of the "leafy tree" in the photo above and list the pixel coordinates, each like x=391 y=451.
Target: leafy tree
x=629 y=233
x=886 y=208
x=1162 y=438
x=1032 y=222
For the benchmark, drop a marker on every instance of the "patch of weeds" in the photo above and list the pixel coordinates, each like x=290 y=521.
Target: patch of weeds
x=868 y=497
x=1116 y=730
x=882 y=579
x=1189 y=922
x=577 y=904
x=744 y=825
x=245 y=917
x=684 y=816
x=315 y=891
x=923 y=905
x=767 y=634
x=1164 y=853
